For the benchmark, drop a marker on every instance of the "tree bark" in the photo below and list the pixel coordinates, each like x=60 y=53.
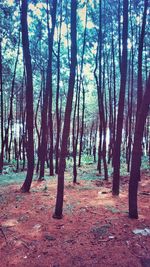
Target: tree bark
x=10 y=115
x=117 y=147
x=136 y=153
x=2 y=112
x=82 y=127
x=29 y=98
x=140 y=52
x=47 y=101
x=66 y=128
x=58 y=120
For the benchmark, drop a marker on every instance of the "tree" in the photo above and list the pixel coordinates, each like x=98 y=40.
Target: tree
x=136 y=153
x=82 y=125
x=2 y=112
x=58 y=116
x=75 y=131
x=29 y=98
x=66 y=128
x=140 y=52
x=47 y=101
x=8 y=130
x=117 y=146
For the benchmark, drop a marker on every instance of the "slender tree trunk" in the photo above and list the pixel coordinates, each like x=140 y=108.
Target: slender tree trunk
x=110 y=147
x=57 y=99
x=49 y=73
x=119 y=32
x=99 y=167
x=104 y=116
x=10 y=116
x=140 y=52
x=114 y=95
x=37 y=130
x=131 y=99
x=43 y=146
x=104 y=146
x=16 y=154
x=66 y=129
x=117 y=147
x=81 y=84
x=82 y=127
x=136 y=153
x=2 y=112
x=91 y=135
x=75 y=132
x=47 y=101
x=128 y=111
x=29 y=98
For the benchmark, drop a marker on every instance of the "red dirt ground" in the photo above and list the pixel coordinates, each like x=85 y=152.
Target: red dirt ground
x=94 y=232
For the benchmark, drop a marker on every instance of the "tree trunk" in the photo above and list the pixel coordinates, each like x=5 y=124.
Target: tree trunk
x=36 y=127
x=136 y=153
x=57 y=99
x=2 y=113
x=47 y=101
x=49 y=73
x=82 y=127
x=140 y=52
x=131 y=98
x=117 y=147
x=119 y=33
x=75 y=130
x=81 y=84
x=114 y=94
x=29 y=98
x=66 y=129
x=10 y=116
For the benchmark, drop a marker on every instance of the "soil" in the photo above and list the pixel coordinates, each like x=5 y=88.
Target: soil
x=95 y=230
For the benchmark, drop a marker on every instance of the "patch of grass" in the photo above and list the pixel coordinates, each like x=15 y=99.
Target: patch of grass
x=87 y=159
x=12 y=178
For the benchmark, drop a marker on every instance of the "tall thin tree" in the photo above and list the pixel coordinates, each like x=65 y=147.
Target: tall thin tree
x=66 y=129
x=140 y=52
x=136 y=153
x=2 y=112
x=58 y=116
x=29 y=98
x=117 y=147
x=47 y=99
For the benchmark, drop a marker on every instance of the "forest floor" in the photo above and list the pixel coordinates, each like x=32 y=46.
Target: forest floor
x=94 y=232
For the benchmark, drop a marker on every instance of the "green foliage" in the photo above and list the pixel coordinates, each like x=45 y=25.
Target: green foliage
x=12 y=178
x=87 y=159
x=145 y=163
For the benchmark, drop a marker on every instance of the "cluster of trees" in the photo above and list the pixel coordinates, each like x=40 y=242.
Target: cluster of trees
x=74 y=79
